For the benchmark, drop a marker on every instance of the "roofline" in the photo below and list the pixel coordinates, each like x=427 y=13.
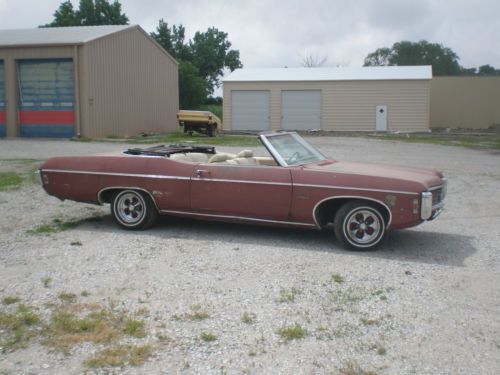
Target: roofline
x=66 y=44
x=327 y=80
x=157 y=44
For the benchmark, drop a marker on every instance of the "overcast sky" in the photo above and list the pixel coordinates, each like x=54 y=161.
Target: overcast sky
x=279 y=33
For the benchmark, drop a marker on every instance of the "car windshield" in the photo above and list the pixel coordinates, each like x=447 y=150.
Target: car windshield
x=291 y=149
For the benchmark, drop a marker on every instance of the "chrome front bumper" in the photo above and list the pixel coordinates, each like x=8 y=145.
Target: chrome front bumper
x=428 y=211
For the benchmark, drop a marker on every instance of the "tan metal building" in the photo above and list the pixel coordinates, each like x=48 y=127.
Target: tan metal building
x=93 y=81
x=465 y=102
x=331 y=99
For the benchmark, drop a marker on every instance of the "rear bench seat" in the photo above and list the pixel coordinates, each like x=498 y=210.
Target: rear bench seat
x=244 y=157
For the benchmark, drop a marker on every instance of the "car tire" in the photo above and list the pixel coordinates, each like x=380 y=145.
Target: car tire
x=359 y=225
x=133 y=209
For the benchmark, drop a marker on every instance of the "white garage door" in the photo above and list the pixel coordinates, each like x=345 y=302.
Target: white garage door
x=250 y=110
x=301 y=110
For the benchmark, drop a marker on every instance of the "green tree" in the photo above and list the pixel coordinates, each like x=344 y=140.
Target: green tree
x=443 y=60
x=487 y=70
x=212 y=54
x=64 y=15
x=201 y=61
x=192 y=87
x=89 y=13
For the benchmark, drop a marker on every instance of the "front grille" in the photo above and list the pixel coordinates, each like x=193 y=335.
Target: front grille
x=437 y=196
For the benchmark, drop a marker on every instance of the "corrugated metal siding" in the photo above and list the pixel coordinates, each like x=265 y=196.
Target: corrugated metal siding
x=128 y=86
x=3 y=128
x=350 y=105
x=9 y=56
x=465 y=102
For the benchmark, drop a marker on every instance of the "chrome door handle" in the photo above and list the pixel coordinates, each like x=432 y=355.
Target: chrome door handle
x=201 y=172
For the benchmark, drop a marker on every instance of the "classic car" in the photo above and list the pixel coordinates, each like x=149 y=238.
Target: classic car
x=295 y=185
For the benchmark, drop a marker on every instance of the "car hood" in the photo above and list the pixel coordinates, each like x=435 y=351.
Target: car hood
x=422 y=176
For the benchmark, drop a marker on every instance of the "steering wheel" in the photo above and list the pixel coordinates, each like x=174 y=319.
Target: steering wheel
x=293 y=158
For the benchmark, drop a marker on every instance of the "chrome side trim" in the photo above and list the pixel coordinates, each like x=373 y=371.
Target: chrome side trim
x=357 y=189
x=241 y=181
x=237 y=218
x=350 y=197
x=118 y=174
x=101 y=202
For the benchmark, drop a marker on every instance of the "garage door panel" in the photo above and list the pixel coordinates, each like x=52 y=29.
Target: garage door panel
x=250 y=110
x=301 y=110
x=46 y=98
x=3 y=126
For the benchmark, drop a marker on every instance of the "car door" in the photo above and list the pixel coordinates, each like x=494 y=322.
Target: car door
x=242 y=190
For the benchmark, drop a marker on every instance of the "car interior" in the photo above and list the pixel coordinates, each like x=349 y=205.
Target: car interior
x=244 y=157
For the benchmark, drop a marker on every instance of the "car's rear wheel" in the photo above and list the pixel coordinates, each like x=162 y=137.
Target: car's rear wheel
x=359 y=225
x=133 y=209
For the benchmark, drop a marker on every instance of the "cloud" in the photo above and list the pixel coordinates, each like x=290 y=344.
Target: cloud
x=271 y=34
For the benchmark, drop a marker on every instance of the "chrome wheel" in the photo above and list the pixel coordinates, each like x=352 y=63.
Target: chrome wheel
x=130 y=208
x=362 y=226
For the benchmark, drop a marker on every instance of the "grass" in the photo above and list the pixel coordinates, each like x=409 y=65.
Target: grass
x=369 y=322
x=208 y=336
x=219 y=140
x=352 y=367
x=248 y=318
x=17 y=328
x=10 y=181
x=10 y=300
x=288 y=295
x=68 y=328
x=294 y=332
x=120 y=355
x=338 y=278
x=196 y=313
x=58 y=225
x=488 y=141
x=46 y=281
x=67 y=297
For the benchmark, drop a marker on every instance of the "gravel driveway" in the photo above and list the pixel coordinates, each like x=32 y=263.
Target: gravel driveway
x=226 y=298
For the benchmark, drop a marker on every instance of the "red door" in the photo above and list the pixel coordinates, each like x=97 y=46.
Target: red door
x=243 y=191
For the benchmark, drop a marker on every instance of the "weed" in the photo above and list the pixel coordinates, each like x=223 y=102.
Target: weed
x=369 y=322
x=338 y=278
x=10 y=300
x=135 y=328
x=351 y=367
x=294 y=332
x=161 y=337
x=208 y=336
x=67 y=297
x=59 y=225
x=67 y=328
x=10 y=181
x=46 y=281
x=76 y=243
x=248 y=318
x=288 y=295
x=85 y=293
x=196 y=313
x=143 y=311
x=381 y=350
x=120 y=355
x=18 y=328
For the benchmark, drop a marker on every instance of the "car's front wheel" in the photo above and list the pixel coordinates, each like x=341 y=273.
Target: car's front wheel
x=359 y=225
x=133 y=209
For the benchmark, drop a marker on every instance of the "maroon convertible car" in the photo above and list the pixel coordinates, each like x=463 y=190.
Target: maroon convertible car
x=294 y=186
